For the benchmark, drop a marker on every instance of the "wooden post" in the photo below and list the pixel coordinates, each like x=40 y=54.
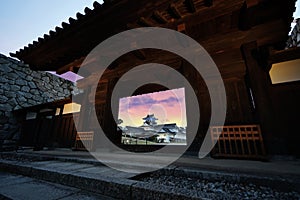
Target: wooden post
x=110 y=126
x=84 y=111
x=259 y=83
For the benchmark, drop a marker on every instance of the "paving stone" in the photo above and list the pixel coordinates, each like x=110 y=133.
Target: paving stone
x=7 y=180
x=178 y=183
x=65 y=166
x=36 y=190
x=86 y=196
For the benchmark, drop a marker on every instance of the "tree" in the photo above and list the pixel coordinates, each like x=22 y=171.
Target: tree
x=120 y=121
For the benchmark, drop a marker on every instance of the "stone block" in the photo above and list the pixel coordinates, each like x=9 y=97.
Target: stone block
x=6 y=87
x=32 y=102
x=17 y=107
x=12 y=102
x=5 y=107
x=25 y=89
x=46 y=79
x=21 y=82
x=61 y=94
x=14 y=66
x=9 y=94
x=12 y=76
x=28 y=95
x=3 y=99
x=36 y=75
x=25 y=105
x=15 y=88
x=11 y=82
x=49 y=87
x=29 y=78
x=59 y=89
x=3 y=79
x=66 y=91
x=37 y=98
x=21 y=100
x=34 y=92
x=32 y=85
x=5 y=68
x=49 y=100
x=21 y=74
x=64 y=85
x=3 y=60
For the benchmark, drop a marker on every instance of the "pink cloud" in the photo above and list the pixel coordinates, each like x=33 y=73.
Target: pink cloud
x=168 y=106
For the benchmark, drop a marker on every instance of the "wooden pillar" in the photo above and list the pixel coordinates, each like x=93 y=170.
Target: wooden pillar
x=259 y=83
x=84 y=111
x=110 y=126
x=192 y=76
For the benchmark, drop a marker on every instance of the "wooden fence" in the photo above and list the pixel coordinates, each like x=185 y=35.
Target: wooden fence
x=243 y=141
x=84 y=141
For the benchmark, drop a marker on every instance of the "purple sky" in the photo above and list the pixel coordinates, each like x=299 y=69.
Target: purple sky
x=168 y=106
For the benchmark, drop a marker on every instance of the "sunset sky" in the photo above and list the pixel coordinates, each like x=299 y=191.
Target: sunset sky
x=168 y=106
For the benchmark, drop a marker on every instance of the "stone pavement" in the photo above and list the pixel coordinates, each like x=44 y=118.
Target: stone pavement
x=283 y=167
x=19 y=187
x=82 y=171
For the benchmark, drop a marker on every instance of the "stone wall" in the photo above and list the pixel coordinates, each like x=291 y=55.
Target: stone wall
x=294 y=39
x=21 y=87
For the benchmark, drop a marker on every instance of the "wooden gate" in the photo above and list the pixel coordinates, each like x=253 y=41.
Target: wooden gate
x=54 y=131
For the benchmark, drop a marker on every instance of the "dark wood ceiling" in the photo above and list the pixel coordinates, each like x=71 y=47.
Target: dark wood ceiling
x=220 y=26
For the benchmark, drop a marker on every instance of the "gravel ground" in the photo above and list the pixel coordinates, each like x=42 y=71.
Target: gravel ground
x=223 y=189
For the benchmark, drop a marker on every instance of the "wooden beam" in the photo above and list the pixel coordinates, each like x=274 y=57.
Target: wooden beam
x=140 y=54
x=218 y=10
x=174 y=10
x=70 y=66
x=284 y=55
x=159 y=17
x=181 y=28
x=251 y=3
x=132 y=26
x=244 y=18
x=145 y=22
x=191 y=5
x=208 y=3
x=264 y=34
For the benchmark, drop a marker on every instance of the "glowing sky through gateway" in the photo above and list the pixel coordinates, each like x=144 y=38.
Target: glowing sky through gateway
x=168 y=106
